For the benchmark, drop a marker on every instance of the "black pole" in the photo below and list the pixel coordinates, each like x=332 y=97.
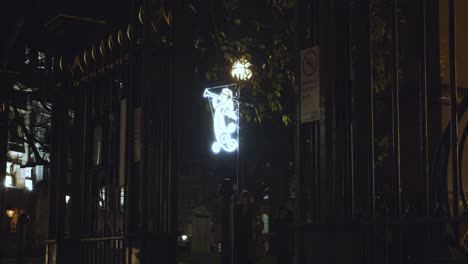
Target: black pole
x=396 y=108
x=424 y=155
x=396 y=124
x=19 y=256
x=453 y=106
x=298 y=237
x=226 y=220
x=4 y=126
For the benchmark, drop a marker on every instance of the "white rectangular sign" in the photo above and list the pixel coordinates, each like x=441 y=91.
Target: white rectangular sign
x=310 y=85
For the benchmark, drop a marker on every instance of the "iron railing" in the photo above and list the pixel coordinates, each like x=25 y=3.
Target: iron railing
x=116 y=250
x=409 y=240
x=140 y=248
x=401 y=210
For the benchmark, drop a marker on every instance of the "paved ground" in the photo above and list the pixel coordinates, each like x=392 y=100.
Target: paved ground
x=26 y=261
x=215 y=259
x=183 y=259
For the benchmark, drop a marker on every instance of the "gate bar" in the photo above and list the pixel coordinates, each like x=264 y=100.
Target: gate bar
x=453 y=107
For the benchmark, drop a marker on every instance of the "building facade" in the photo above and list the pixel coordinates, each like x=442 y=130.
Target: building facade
x=26 y=125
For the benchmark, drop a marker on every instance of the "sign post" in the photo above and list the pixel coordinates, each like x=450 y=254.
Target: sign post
x=310 y=85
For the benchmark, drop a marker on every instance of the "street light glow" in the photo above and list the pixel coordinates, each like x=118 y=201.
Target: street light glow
x=10 y=213
x=241 y=70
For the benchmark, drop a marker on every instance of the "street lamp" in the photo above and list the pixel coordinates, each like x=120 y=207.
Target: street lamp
x=10 y=213
x=241 y=70
x=224 y=104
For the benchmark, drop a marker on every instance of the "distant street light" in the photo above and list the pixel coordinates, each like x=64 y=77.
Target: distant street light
x=10 y=212
x=241 y=70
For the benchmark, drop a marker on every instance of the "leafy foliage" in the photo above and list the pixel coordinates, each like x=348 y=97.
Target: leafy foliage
x=262 y=33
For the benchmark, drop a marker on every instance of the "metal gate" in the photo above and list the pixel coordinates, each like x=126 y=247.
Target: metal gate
x=380 y=175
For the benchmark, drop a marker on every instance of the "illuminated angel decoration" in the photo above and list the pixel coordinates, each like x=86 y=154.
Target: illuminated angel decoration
x=225 y=119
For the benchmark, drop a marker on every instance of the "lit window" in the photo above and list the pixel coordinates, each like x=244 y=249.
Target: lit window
x=122 y=198
x=28 y=184
x=9 y=181
x=27 y=172
x=41 y=57
x=8 y=167
x=102 y=197
x=265 y=223
x=27 y=51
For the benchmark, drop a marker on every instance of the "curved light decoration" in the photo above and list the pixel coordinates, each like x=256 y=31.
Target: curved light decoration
x=225 y=119
x=241 y=70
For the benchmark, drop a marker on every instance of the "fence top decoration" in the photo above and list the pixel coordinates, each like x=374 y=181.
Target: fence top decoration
x=92 y=60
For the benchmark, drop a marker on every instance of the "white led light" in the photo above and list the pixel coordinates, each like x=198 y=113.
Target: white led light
x=225 y=118
x=241 y=70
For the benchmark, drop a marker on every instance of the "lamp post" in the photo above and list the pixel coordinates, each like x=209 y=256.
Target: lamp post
x=225 y=107
x=241 y=72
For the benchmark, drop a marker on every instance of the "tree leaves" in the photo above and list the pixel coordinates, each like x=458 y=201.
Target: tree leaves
x=264 y=37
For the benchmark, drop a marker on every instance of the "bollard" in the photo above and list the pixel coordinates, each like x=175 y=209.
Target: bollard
x=226 y=216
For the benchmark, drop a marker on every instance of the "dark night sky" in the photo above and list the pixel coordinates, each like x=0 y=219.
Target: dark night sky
x=38 y=12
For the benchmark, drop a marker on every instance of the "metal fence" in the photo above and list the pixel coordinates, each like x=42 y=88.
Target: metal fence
x=375 y=170
x=143 y=248
x=96 y=251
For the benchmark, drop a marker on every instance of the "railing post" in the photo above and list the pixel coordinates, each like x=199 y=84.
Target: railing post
x=227 y=241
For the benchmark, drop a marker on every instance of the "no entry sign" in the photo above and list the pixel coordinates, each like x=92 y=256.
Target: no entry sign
x=310 y=85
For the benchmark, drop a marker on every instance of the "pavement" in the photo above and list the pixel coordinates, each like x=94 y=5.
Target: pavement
x=216 y=259
x=25 y=261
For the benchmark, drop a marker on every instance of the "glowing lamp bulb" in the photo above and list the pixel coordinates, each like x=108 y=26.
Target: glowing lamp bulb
x=10 y=213
x=184 y=237
x=241 y=70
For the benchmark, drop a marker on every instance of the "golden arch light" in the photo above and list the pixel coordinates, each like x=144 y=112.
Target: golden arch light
x=241 y=70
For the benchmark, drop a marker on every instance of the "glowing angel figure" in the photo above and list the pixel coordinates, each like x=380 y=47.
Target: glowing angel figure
x=225 y=119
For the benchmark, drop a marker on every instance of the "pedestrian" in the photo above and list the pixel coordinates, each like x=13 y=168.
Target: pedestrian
x=283 y=235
